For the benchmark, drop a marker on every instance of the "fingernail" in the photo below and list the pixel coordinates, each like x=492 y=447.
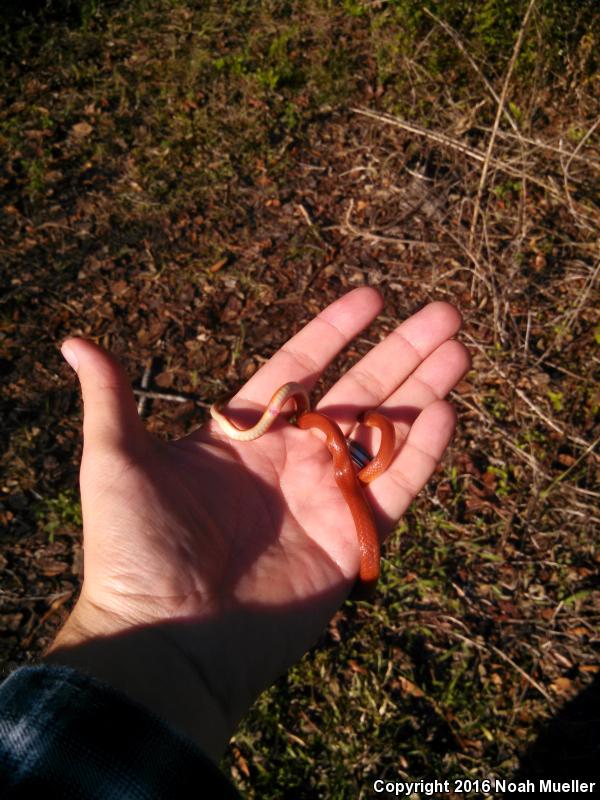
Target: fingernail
x=69 y=356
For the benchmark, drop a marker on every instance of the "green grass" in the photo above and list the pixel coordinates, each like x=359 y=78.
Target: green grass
x=198 y=94
x=60 y=512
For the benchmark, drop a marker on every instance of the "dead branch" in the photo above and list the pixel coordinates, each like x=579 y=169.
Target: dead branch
x=501 y=102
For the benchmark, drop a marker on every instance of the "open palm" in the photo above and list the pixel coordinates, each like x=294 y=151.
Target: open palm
x=248 y=546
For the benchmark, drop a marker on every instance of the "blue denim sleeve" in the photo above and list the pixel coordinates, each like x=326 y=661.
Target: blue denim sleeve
x=66 y=735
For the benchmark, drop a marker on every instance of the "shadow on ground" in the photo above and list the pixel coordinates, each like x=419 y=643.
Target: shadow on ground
x=569 y=746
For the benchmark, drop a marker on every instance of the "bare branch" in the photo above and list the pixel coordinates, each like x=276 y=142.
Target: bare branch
x=501 y=102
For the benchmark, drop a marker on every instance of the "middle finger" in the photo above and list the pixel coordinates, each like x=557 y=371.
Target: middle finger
x=381 y=371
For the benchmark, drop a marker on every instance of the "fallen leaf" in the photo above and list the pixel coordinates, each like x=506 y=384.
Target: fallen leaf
x=119 y=287
x=81 y=130
x=242 y=764
x=578 y=631
x=566 y=459
x=356 y=667
x=218 y=265
x=51 y=567
x=11 y=622
x=410 y=688
x=165 y=379
x=562 y=685
x=490 y=480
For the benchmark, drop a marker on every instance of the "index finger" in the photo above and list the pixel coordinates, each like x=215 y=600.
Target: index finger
x=304 y=357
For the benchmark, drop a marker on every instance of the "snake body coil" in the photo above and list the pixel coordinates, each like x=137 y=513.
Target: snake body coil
x=348 y=481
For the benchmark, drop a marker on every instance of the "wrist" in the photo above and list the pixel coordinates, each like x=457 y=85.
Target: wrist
x=144 y=663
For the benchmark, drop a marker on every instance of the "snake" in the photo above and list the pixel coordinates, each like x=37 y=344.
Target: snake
x=347 y=479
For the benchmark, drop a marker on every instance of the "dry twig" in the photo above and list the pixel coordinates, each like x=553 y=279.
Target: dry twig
x=171 y=398
x=480 y=646
x=461 y=46
x=447 y=141
x=348 y=227
x=488 y=156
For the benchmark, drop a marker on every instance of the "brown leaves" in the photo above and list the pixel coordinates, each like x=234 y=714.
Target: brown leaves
x=81 y=130
x=232 y=309
x=562 y=686
x=119 y=288
x=152 y=332
x=218 y=265
x=165 y=379
x=409 y=688
x=240 y=761
x=47 y=562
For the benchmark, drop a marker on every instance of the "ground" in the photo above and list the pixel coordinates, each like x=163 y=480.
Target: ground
x=188 y=185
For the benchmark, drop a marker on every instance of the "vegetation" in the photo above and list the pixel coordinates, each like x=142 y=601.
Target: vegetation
x=188 y=182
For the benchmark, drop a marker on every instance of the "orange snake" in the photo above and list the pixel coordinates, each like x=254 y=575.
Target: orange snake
x=348 y=481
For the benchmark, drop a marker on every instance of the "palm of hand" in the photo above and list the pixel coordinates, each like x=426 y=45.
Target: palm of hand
x=203 y=524
x=225 y=548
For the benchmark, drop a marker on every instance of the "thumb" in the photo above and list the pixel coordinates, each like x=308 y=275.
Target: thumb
x=110 y=417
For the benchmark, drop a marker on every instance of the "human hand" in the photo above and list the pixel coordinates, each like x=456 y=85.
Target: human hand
x=212 y=565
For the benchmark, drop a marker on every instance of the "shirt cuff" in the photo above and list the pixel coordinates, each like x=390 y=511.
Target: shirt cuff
x=66 y=734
